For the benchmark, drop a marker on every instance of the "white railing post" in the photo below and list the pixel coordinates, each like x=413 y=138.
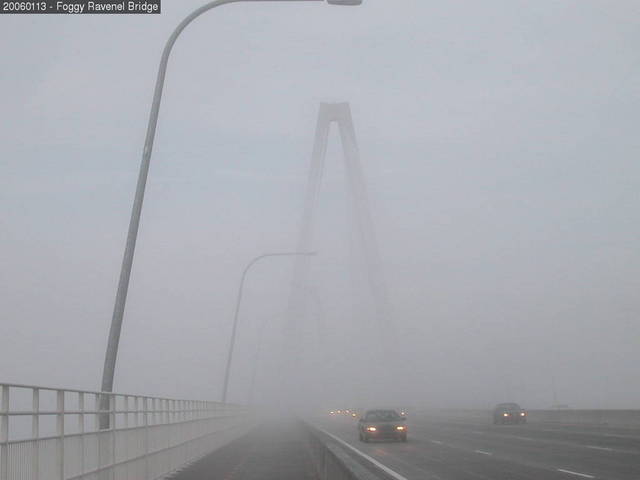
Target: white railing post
x=145 y=410
x=167 y=430
x=96 y=417
x=99 y=432
x=35 y=432
x=4 y=434
x=60 y=432
x=112 y=422
x=126 y=409
x=81 y=428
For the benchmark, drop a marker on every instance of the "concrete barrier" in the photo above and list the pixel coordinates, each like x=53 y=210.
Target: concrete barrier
x=333 y=462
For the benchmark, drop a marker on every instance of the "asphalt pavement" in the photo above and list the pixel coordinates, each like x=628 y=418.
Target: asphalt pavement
x=461 y=449
x=276 y=450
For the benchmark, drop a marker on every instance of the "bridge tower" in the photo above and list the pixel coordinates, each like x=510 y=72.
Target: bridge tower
x=340 y=114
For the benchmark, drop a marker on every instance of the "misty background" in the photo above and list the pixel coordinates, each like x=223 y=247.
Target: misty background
x=500 y=145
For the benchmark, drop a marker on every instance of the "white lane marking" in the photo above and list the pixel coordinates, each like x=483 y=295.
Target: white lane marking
x=437 y=442
x=477 y=432
x=384 y=468
x=483 y=452
x=584 y=475
x=606 y=449
x=523 y=438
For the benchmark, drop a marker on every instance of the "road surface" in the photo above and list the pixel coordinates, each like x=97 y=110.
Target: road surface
x=276 y=450
x=476 y=449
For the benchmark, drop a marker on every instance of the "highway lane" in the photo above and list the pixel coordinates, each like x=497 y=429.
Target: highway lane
x=475 y=449
x=603 y=436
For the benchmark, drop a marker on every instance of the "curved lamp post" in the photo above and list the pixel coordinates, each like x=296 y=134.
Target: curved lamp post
x=127 y=261
x=232 y=340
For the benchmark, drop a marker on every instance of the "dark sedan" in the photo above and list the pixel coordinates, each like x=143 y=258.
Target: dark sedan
x=382 y=424
x=509 y=413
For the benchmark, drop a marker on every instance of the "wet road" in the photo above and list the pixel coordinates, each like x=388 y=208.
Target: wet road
x=475 y=449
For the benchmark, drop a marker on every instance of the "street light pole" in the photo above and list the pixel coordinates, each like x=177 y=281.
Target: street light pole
x=127 y=261
x=232 y=340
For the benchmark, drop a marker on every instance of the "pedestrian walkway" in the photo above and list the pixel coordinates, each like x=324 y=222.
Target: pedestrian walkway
x=276 y=450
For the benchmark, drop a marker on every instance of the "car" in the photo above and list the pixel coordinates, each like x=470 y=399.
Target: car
x=509 y=413
x=382 y=424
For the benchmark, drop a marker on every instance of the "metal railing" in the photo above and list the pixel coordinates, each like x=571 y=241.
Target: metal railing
x=51 y=433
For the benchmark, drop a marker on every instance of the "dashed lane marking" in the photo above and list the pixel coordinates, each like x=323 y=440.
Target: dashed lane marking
x=482 y=452
x=594 y=447
x=437 y=442
x=578 y=474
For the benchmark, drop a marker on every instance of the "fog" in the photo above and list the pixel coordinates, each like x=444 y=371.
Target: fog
x=499 y=144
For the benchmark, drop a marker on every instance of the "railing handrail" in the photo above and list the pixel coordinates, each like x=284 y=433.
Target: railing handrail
x=96 y=392
x=77 y=446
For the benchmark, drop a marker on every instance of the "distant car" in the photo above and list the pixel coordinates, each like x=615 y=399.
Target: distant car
x=382 y=424
x=509 y=413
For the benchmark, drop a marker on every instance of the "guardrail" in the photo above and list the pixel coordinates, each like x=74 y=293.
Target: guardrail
x=54 y=434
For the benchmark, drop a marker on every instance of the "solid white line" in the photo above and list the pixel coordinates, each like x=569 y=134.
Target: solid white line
x=483 y=452
x=576 y=473
x=384 y=468
x=606 y=449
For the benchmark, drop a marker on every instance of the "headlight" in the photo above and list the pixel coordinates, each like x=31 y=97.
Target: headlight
x=505 y=414
x=372 y=429
x=522 y=414
x=400 y=427
x=353 y=414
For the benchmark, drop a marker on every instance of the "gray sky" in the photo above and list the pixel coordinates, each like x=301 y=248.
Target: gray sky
x=500 y=144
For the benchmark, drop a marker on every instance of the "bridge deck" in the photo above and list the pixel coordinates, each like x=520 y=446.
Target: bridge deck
x=273 y=451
